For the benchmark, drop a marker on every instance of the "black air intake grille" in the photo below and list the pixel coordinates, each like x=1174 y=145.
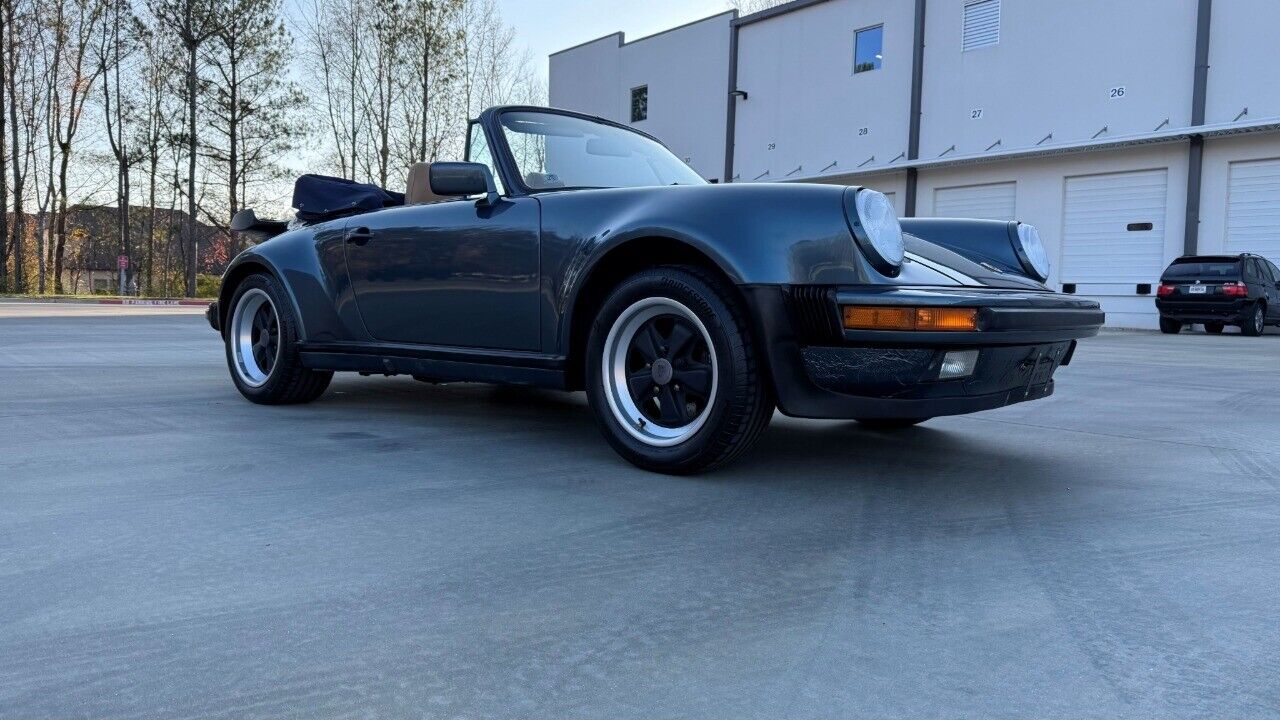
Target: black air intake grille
x=812 y=309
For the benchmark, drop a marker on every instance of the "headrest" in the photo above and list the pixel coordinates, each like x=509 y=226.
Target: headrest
x=543 y=181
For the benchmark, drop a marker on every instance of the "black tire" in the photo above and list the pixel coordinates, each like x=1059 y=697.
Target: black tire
x=1170 y=327
x=1254 y=321
x=741 y=401
x=889 y=423
x=1214 y=328
x=287 y=381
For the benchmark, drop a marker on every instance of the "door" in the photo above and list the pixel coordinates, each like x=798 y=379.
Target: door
x=1270 y=276
x=984 y=202
x=1253 y=209
x=1113 y=228
x=456 y=273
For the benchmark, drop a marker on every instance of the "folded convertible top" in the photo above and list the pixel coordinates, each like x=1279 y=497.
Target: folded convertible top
x=318 y=198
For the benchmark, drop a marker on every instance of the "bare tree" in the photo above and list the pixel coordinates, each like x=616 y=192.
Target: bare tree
x=395 y=80
x=21 y=86
x=495 y=71
x=253 y=108
x=4 y=154
x=434 y=37
x=119 y=41
x=192 y=23
x=152 y=132
x=334 y=32
x=747 y=7
x=383 y=86
x=45 y=204
x=76 y=24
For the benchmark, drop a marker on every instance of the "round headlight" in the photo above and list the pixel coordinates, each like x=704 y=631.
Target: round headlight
x=875 y=227
x=1032 y=253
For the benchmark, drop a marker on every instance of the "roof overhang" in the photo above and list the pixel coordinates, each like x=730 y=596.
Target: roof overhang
x=1049 y=149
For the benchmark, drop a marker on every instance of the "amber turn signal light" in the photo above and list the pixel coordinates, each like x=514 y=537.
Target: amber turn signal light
x=867 y=317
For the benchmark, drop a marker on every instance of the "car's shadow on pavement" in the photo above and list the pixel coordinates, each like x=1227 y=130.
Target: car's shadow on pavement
x=794 y=452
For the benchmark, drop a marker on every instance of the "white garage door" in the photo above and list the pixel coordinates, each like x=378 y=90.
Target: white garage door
x=1253 y=208
x=986 y=202
x=1113 y=229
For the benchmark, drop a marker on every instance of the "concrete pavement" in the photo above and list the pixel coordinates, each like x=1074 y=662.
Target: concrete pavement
x=402 y=550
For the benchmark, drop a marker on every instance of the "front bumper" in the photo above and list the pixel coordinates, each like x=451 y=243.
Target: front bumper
x=211 y=314
x=820 y=370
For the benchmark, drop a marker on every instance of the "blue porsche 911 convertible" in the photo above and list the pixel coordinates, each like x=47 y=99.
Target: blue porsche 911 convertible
x=575 y=253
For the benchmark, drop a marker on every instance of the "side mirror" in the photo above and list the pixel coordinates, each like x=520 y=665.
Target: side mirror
x=452 y=179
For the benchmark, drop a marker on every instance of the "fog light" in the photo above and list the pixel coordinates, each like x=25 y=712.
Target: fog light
x=958 y=364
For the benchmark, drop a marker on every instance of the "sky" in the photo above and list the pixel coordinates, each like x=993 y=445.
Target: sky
x=546 y=26
x=542 y=26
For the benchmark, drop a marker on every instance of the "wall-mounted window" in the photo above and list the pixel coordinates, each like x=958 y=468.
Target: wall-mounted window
x=640 y=103
x=868 y=49
x=981 y=24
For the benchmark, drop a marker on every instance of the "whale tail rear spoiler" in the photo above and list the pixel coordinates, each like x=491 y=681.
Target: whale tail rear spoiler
x=247 y=222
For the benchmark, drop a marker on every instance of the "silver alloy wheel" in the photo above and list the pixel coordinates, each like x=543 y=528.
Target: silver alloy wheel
x=1259 y=320
x=255 y=337
x=660 y=372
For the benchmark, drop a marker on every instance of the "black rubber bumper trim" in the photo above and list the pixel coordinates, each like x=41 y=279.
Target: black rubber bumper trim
x=211 y=314
x=798 y=396
x=1004 y=317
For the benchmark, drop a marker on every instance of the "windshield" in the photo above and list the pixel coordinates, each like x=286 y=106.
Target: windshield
x=558 y=151
x=1226 y=270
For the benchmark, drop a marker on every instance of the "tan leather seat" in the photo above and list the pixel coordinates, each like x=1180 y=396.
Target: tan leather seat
x=418 y=189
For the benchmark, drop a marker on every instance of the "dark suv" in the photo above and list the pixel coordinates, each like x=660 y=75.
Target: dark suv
x=1220 y=290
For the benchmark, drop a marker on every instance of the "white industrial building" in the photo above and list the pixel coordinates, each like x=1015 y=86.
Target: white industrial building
x=1128 y=132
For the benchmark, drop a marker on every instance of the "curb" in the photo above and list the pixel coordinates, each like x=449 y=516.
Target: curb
x=153 y=302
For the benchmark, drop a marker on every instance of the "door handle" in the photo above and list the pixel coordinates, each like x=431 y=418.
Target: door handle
x=359 y=236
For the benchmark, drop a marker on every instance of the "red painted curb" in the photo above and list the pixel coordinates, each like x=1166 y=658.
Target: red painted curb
x=167 y=303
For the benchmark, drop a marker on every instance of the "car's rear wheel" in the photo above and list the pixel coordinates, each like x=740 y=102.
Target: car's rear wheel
x=889 y=423
x=262 y=346
x=1214 y=328
x=1170 y=327
x=673 y=376
x=1255 y=321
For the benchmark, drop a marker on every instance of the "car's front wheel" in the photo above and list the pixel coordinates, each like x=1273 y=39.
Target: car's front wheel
x=262 y=346
x=1254 y=322
x=1170 y=327
x=673 y=375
